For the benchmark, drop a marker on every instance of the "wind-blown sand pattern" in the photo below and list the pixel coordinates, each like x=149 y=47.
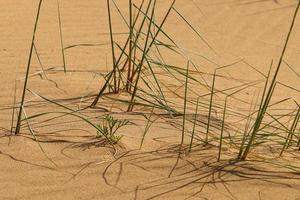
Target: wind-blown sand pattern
x=58 y=153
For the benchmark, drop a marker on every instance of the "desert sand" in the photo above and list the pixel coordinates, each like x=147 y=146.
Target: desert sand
x=66 y=161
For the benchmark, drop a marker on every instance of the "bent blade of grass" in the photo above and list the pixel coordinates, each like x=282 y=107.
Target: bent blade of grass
x=292 y=69
x=148 y=125
x=68 y=113
x=39 y=60
x=72 y=112
x=211 y=98
x=35 y=138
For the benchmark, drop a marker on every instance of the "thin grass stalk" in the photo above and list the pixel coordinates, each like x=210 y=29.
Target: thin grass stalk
x=283 y=127
x=249 y=119
x=152 y=72
x=156 y=80
x=291 y=132
x=13 y=111
x=160 y=90
x=110 y=75
x=194 y=125
x=250 y=115
x=112 y=47
x=130 y=45
x=210 y=107
x=183 y=120
x=184 y=106
x=130 y=107
x=133 y=24
x=61 y=37
x=35 y=138
x=148 y=125
x=192 y=27
x=154 y=76
x=263 y=94
x=75 y=113
x=292 y=69
x=157 y=26
x=211 y=98
x=18 y=126
x=223 y=121
x=263 y=110
x=271 y=88
x=39 y=60
x=298 y=143
x=133 y=71
x=120 y=77
x=260 y=106
x=296 y=121
x=136 y=41
x=222 y=130
x=258 y=121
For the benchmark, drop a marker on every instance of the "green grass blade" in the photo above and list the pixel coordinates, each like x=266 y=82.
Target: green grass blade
x=18 y=126
x=61 y=37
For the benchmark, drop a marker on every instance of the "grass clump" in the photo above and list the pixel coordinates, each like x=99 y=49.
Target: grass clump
x=267 y=98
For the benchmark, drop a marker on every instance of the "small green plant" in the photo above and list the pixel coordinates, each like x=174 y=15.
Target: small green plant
x=110 y=126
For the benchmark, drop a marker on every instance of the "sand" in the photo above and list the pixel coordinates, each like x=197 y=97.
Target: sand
x=69 y=163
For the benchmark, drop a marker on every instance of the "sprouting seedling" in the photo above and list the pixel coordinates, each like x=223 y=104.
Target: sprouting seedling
x=110 y=126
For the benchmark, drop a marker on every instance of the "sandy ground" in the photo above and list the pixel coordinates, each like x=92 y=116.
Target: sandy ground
x=76 y=166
